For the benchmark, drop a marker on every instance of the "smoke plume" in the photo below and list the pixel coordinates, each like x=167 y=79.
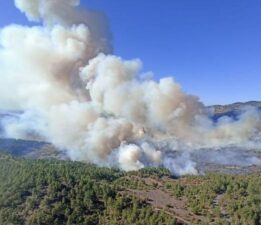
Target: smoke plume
x=73 y=93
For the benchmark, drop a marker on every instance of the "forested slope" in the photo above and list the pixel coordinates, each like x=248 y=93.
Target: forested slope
x=66 y=192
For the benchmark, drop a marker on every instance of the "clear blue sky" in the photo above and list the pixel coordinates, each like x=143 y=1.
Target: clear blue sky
x=211 y=47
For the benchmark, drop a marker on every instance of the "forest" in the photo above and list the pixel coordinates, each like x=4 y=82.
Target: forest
x=56 y=192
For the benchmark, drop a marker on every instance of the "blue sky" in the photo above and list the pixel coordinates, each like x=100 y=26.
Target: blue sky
x=212 y=48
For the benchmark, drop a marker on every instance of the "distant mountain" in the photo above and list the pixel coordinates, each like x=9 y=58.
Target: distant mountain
x=221 y=109
x=232 y=110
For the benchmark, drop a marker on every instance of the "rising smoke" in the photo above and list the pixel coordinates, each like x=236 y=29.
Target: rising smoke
x=73 y=93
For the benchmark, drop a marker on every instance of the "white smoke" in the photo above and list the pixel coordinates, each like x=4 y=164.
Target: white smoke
x=68 y=13
x=97 y=106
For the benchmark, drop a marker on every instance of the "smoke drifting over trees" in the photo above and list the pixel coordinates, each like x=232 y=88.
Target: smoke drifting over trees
x=74 y=93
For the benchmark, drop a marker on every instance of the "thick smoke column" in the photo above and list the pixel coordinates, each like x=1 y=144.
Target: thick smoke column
x=96 y=106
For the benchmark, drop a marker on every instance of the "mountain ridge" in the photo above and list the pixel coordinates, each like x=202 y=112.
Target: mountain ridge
x=236 y=106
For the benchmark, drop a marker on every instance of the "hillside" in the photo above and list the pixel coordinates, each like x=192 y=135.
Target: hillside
x=64 y=192
x=31 y=149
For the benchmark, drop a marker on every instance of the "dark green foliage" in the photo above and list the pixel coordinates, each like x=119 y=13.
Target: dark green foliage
x=233 y=199
x=63 y=192
x=41 y=192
